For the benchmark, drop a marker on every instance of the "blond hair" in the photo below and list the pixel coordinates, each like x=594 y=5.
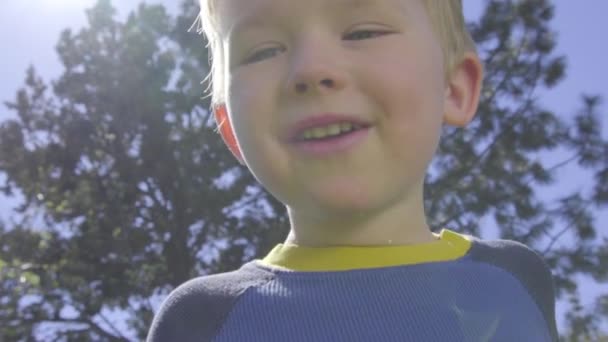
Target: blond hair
x=446 y=18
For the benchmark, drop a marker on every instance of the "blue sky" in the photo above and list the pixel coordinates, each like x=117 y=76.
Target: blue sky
x=29 y=30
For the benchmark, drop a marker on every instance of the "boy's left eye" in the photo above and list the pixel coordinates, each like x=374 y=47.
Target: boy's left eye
x=364 y=34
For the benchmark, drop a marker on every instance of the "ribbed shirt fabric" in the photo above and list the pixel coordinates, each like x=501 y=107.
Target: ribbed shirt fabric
x=457 y=288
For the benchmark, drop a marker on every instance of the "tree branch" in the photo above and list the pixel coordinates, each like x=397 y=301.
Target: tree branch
x=100 y=330
x=552 y=168
x=472 y=164
x=86 y=321
x=555 y=238
x=244 y=204
x=114 y=329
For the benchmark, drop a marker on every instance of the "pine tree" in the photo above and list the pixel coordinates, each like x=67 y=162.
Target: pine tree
x=136 y=191
x=128 y=190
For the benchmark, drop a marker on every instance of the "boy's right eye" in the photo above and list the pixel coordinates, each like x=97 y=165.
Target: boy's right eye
x=263 y=54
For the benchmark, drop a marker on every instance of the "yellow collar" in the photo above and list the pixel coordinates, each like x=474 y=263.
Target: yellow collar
x=449 y=246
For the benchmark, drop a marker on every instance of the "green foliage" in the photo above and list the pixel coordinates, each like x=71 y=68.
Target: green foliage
x=137 y=193
x=493 y=169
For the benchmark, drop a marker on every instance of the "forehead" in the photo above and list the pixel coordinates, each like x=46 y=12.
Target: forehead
x=233 y=14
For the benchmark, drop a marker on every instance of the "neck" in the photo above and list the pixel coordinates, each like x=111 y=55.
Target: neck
x=400 y=222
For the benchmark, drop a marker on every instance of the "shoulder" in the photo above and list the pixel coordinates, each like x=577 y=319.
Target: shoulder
x=513 y=256
x=524 y=264
x=195 y=310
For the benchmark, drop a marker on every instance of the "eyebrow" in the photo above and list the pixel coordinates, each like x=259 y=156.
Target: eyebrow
x=257 y=18
x=351 y=4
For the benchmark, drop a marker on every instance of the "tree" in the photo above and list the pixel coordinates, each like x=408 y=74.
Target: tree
x=136 y=192
x=494 y=169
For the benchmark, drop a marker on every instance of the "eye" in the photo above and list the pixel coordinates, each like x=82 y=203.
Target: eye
x=263 y=54
x=364 y=34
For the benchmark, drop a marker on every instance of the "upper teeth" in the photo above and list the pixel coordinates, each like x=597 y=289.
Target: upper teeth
x=330 y=130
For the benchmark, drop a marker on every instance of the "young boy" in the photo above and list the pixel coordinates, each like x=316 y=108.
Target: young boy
x=336 y=107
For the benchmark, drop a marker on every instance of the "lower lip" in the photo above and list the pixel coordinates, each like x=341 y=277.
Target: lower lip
x=322 y=148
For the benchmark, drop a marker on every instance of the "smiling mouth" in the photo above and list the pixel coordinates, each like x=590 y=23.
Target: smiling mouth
x=330 y=145
x=328 y=132
x=324 y=126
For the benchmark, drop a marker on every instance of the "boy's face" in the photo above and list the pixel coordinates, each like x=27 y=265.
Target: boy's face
x=376 y=60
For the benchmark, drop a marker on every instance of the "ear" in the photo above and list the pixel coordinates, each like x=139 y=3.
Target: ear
x=225 y=128
x=462 y=91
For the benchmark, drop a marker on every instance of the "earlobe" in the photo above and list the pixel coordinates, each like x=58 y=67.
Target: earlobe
x=224 y=125
x=463 y=90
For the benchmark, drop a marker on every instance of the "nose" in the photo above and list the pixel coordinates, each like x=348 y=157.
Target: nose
x=303 y=86
x=315 y=70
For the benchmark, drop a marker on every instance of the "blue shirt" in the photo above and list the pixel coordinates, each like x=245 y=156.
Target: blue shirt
x=458 y=288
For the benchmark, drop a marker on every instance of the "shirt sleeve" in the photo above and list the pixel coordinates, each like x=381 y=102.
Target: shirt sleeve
x=196 y=310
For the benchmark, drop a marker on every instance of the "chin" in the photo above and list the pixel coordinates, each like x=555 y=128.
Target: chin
x=344 y=200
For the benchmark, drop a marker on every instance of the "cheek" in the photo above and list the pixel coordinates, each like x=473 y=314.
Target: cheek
x=250 y=99
x=409 y=98
x=409 y=94
x=241 y=102
x=253 y=115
